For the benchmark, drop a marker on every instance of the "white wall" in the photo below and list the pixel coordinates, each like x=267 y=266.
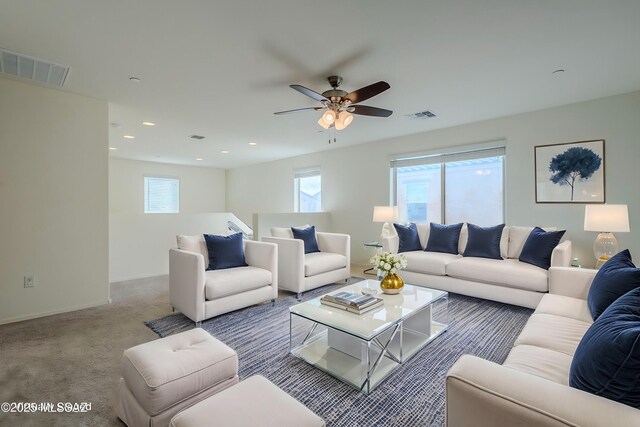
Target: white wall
x=139 y=242
x=54 y=193
x=355 y=179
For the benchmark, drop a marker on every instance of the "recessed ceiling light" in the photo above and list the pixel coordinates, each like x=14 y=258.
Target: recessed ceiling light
x=225 y=151
x=253 y=143
x=199 y=159
x=129 y=137
x=156 y=156
x=113 y=148
x=148 y=123
x=134 y=79
x=559 y=71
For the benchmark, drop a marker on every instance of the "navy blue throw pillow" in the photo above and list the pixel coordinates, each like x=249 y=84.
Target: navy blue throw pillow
x=225 y=251
x=408 y=235
x=308 y=236
x=607 y=360
x=444 y=238
x=484 y=242
x=538 y=247
x=615 y=278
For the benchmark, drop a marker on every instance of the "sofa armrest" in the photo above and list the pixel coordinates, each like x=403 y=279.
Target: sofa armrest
x=263 y=255
x=480 y=393
x=290 y=263
x=571 y=281
x=390 y=244
x=561 y=255
x=186 y=283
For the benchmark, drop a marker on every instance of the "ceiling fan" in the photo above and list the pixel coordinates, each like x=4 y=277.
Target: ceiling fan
x=339 y=106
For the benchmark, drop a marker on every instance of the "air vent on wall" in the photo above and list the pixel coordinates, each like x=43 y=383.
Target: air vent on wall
x=421 y=115
x=34 y=69
x=196 y=137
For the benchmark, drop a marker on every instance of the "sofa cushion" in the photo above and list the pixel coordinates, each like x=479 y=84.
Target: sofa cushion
x=560 y=305
x=508 y=272
x=408 y=237
x=615 y=278
x=517 y=237
x=542 y=362
x=232 y=281
x=607 y=360
x=539 y=246
x=552 y=332
x=484 y=242
x=504 y=240
x=308 y=237
x=193 y=244
x=163 y=372
x=444 y=238
x=225 y=251
x=321 y=262
x=428 y=262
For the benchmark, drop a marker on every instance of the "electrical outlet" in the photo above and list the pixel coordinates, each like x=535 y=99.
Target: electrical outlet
x=29 y=281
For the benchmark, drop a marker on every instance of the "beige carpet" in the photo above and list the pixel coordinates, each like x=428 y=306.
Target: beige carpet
x=75 y=357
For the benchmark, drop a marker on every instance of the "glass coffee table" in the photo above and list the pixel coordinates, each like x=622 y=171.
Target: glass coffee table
x=363 y=349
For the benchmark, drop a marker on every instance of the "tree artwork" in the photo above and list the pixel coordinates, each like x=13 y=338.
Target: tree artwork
x=575 y=163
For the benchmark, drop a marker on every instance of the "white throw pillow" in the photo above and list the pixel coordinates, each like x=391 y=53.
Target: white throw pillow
x=285 y=232
x=193 y=244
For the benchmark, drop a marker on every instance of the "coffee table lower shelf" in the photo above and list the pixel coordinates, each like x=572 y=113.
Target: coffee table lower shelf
x=358 y=362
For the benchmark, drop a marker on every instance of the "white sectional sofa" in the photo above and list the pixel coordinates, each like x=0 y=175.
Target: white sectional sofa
x=531 y=387
x=508 y=280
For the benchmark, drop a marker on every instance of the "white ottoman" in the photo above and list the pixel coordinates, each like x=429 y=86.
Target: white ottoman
x=255 y=402
x=163 y=377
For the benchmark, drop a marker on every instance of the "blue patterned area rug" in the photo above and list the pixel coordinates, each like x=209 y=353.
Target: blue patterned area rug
x=413 y=395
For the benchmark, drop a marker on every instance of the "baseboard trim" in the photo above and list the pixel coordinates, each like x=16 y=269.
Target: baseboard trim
x=142 y=276
x=51 y=312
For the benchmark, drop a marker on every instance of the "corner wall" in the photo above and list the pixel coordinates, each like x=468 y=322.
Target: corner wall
x=139 y=242
x=354 y=179
x=54 y=194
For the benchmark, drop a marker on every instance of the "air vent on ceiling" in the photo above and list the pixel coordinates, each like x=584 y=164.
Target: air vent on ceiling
x=196 y=137
x=34 y=69
x=421 y=115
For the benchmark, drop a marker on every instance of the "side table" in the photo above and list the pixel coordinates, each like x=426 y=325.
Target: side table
x=376 y=245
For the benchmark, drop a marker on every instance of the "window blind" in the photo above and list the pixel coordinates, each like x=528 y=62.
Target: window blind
x=161 y=195
x=417 y=160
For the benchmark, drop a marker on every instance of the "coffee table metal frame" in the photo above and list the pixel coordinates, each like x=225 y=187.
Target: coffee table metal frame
x=364 y=360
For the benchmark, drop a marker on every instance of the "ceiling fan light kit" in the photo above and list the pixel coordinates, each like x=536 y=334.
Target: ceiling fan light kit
x=338 y=105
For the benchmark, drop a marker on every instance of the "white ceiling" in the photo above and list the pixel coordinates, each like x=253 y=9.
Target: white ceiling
x=221 y=68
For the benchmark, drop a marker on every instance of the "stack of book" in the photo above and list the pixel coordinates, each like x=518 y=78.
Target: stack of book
x=352 y=302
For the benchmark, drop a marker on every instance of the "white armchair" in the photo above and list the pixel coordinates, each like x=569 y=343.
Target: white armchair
x=299 y=272
x=201 y=294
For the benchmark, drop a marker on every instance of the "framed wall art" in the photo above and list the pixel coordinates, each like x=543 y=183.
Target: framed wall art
x=571 y=172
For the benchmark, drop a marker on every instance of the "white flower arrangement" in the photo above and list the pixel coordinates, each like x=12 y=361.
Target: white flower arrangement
x=388 y=263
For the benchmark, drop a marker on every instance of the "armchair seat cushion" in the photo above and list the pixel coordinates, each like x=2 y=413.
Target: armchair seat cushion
x=508 y=272
x=429 y=262
x=232 y=281
x=322 y=262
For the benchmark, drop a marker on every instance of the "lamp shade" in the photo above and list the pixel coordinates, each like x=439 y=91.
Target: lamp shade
x=609 y=218
x=385 y=213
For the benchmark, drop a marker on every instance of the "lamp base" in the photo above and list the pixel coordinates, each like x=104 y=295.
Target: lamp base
x=387 y=230
x=604 y=247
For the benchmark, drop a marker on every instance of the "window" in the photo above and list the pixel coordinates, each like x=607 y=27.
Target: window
x=450 y=188
x=161 y=195
x=307 y=191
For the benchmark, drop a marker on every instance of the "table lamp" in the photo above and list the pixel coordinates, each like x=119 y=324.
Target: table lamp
x=385 y=214
x=605 y=219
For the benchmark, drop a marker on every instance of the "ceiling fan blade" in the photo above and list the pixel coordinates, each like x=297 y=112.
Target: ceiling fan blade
x=297 y=110
x=365 y=110
x=310 y=93
x=367 y=92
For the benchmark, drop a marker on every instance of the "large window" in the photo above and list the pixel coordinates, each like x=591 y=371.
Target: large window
x=308 y=191
x=450 y=188
x=161 y=195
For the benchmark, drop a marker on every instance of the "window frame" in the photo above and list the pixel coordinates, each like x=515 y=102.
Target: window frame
x=145 y=198
x=444 y=156
x=304 y=173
